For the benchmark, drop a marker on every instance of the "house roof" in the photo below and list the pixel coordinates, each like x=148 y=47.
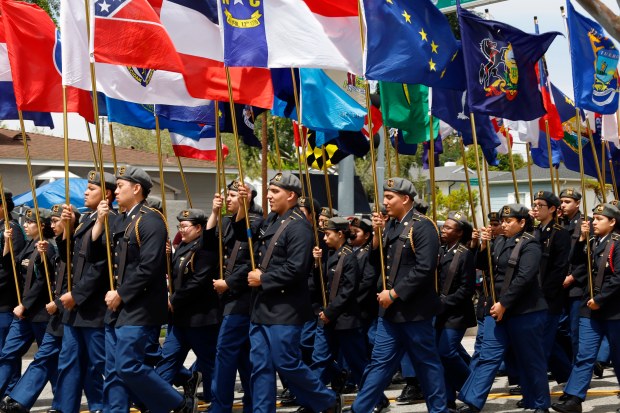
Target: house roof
x=538 y=174
x=455 y=173
x=49 y=150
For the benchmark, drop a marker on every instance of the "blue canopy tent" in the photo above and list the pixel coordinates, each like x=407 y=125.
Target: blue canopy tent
x=54 y=193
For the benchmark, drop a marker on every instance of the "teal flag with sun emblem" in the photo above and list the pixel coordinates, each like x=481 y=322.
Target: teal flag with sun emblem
x=595 y=62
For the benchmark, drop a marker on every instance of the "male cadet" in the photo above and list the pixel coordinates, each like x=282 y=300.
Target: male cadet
x=81 y=363
x=138 y=306
x=576 y=280
x=281 y=303
x=8 y=291
x=408 y=303
x=555 y=241
x=233 y=342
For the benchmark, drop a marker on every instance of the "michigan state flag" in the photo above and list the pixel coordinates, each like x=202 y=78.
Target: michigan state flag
x=595 y=60
x=500 y=67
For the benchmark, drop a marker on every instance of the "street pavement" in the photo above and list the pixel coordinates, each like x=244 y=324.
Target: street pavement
x=602 y=397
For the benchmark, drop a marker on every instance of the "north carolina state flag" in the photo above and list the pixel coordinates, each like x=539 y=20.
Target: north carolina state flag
x=35 y=57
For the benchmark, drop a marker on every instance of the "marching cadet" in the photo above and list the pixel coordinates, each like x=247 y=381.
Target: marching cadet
x=325 y=215
x=408 y=304
x=81 y=363
x=138 y=306
x=340 y=327
x=31 y=317
x=44 y=366
x=8 y=289
x=233 y=342
x=457 y=278
x=281 y=303
x=193 y=305
x=599 y=315
x=555 y=241
x=576 y=280
x=516 y=319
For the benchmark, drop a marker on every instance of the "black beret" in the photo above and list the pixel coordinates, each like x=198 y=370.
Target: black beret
x=548 y=197
x=326 y=213
x=493 y=216
x=304 y=202
x=288 y=181
x=196 y=216
x=570 y=193
x=401 y=186
x=154 y=202
x=136 y=175
x=607 y=210
x=363 y=224
x=8 y=194
x=108 y=178
x=460 y=218
x=44 y=215
x=56 y=211
x=337 y=224
x=514 y=211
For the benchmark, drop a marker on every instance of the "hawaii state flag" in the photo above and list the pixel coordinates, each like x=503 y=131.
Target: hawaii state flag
x=321 y=34
x=34 y=51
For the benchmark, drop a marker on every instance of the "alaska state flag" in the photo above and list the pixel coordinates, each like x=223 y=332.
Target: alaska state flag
x=499 y=64
x=407 y=42
x=595 y=62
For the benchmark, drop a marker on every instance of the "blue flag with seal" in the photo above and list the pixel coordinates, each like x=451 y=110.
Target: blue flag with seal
x=407 y=43
x=595 y=62
x=500 y=67
x=204 y=114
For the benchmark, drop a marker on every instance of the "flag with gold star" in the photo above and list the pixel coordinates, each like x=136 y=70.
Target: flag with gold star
x=408 y=42
x=500 y=67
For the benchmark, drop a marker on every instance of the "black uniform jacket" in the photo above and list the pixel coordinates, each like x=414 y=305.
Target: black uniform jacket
x=577 y=268
x=367 y=291
x=283 y=296
x=8 y=294
x=608 y=296
x=555 y=241
x=35 y=293
x=90 y=279
x=343 y=310
x=524 y=294
x=457 y=306
x=58 y=276
x=194 y=301
x=141 y=280
x=415 y=277
x=236 y=300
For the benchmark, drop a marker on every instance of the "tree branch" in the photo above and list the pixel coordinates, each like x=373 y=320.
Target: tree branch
x=603 y=14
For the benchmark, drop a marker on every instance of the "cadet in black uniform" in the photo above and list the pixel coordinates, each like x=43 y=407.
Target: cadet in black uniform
x=233 y=346
x=138 y=306
x=600 y=315
x=555 y=241
x=408 y=304
x=194 y=317
x=516 y=319
x=281 y=303
x=81 y=363
x=457 y=278
x=8 y=289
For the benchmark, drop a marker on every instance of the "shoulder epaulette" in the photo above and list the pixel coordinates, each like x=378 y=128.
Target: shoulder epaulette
x=558 y=226
x=296 y=215
x=528 y=236
x=615 y=236
x=462 y=248
x=346 y=250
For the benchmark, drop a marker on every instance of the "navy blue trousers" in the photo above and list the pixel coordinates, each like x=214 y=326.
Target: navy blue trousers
x=456 y=369
x=557 y=360
x=392 y=341
x=5 y=323
x=277 y=348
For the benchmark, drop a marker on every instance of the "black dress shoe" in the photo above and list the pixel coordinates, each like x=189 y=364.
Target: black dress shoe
x=285 y=393
x=468 y=408
x=287 y=398
x=521 y=404
x=541 y=411
x=515 y=391
x=410 y=394
x=382 y=405
x=337 y=407
x=340 y=381
x=563 y=397
x=398 y=378
x=303 y=409
x=598 y=370
x=190 y=388
x=15 y=407
x=349 y=388
x=572 y=404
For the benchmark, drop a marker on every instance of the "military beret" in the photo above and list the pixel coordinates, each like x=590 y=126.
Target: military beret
x=234 y=186
x=460 y=218
x=325 y=212
x=44 y=215
x=288 y=181
x=56 y=211
x=363 y=224
x=194 y=215
x=108 y=178
x=570 y=193
x=514 y=211
x=153 y=202
x=304 y=202
x=493 y=216
x=136 y=175
x=401 y=186
x=607 y=210
x=253 y=191
x=614 y=202
x=548 y=197
x=337 y=224
x=8 y=194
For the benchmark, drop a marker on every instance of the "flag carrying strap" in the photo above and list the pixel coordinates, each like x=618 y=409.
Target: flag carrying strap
x=513 y=261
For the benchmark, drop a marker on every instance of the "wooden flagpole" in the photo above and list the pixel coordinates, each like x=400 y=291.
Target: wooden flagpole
x=601 y=181
x=276 y=144
x=162 y=185
x=218 y=186
x=549 y=155
x=328 y=191
x=184 y=180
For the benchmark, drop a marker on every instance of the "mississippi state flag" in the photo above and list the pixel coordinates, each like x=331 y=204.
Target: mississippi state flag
x=34 y=50
x=321 y=34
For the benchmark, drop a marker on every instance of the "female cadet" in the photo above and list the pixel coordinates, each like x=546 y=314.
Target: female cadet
x=31 y=317
x=516 y=318
x=457 y=278
x=599 y=315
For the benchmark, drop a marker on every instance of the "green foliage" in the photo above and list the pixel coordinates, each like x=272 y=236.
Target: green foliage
x=504 y=160
x=51 y=7
x=141 y=139
x=456 y=200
